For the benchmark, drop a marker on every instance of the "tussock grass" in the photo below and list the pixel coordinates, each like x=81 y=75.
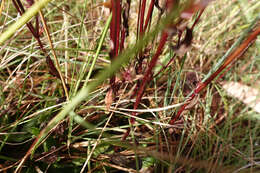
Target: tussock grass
x=216 y=133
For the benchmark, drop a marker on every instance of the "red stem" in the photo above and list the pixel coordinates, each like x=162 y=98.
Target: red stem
x=167 y=65
x=149 y=14
x=115 y=27
x=19 y=6
x=198 y=18
x=142 y=17
x=148 y=74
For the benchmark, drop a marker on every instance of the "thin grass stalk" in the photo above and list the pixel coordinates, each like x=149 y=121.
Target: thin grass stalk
x=75 y=90
x=101 y=41
x=165 y=67
x=66 y=37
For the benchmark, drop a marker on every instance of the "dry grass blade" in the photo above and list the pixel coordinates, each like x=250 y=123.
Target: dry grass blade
x=54 y=54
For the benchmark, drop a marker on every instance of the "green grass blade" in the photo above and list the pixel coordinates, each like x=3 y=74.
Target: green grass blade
x=32 y=11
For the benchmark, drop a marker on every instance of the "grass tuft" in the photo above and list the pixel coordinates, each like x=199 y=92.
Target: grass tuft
x=129 y=86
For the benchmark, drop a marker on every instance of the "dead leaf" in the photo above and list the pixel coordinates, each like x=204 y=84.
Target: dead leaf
x=109 y=98
x=248 y=95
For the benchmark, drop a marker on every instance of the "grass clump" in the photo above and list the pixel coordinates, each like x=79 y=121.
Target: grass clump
x=128 y=86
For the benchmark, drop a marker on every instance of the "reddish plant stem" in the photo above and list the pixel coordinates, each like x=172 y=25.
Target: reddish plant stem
x=148 y=73
x=146 y=78
x=140 y=32
x=35 y=32
x=126 y=134
x=112 y=31
x=21 y=6
x=115 y=27
x=198 y=18
x=233 y=56
x=142 y=17
x=149 y=14
x=143 y=29
x=167 y=65
x=18 y=5
x=37 y=26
